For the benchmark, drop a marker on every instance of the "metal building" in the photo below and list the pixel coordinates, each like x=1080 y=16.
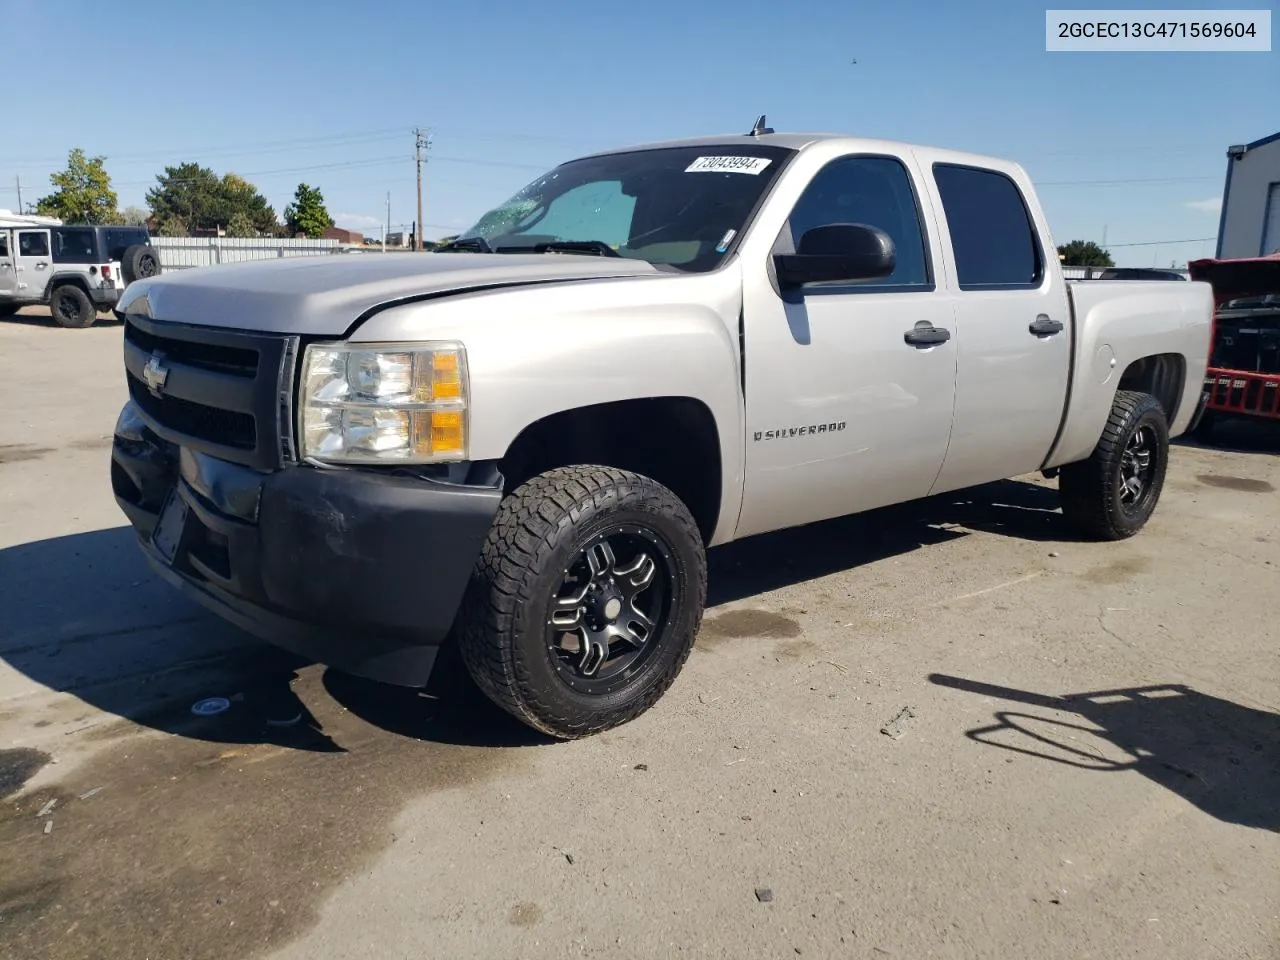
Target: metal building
x=1250 y=224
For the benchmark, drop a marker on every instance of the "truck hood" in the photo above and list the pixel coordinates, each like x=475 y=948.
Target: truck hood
x=326 y=294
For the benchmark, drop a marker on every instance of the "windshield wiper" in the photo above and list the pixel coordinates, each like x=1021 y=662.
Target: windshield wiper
x=477 y=244
x=598 y=247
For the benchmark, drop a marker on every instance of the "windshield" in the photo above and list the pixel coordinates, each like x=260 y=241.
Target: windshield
x=680 y=206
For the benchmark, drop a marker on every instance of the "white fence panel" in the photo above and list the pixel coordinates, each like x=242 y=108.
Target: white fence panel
x=181 y=253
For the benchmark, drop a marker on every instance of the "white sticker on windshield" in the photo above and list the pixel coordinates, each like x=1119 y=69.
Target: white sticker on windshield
x=751 y=165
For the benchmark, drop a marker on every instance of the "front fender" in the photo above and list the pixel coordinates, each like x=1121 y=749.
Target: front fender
x=537 y=351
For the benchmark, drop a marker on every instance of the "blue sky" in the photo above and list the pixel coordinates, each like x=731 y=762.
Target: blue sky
x=507 y=89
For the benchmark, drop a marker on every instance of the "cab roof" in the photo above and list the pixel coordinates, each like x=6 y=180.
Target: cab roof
x=803 y=141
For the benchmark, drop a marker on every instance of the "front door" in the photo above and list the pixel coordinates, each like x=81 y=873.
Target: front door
x=843 y=414
x=32 y=262
x=8 y=275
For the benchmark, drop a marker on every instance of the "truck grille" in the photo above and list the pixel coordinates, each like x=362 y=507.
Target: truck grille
x=225 y=393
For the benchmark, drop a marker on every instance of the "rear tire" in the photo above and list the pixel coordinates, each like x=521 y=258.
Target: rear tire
x=139 y=262
x=1112 y=494
x=616 y=560
x=71 y=307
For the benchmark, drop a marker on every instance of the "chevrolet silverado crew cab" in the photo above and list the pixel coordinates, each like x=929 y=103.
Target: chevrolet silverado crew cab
x=525 y=442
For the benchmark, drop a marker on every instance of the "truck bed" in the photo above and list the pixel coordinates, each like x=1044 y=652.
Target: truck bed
x=1115 y=323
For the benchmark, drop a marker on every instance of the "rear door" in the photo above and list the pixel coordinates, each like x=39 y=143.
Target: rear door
x=1014 y=323
x=8 y=276
x=32 y=263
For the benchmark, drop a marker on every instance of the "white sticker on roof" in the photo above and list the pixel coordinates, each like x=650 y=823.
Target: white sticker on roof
x=751 y=165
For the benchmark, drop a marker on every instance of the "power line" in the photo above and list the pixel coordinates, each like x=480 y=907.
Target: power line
x=257 y=146
x=276 y=146
x=1160 y=243
x=1112 y=183
x=370 y=162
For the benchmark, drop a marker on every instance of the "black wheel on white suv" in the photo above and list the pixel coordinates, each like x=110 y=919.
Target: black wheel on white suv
x=1112 y=494
x=586 y=600
x=71 y=307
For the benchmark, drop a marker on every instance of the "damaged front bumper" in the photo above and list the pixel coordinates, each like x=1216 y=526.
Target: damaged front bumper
x=360 y=569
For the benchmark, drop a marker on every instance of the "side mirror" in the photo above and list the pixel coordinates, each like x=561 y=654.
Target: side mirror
x=837 y=251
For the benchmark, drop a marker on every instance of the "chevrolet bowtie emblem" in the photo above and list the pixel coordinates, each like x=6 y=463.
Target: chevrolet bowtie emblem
x=155 y=373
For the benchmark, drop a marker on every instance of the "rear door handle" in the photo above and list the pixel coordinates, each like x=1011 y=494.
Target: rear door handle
x=1042 y=326
x=925 y=334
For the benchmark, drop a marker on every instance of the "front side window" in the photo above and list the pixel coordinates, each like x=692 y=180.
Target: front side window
x=4 y=244
x=875 y=191
x=992 y=235
x=679 y=206
x=33 y=244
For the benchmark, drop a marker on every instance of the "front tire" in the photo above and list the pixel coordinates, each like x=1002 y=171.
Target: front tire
x=71 y=307
x=586 y=600
x=1112 y=494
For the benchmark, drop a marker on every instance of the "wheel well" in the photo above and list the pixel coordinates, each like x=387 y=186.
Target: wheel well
x=672 y=440
x=67 y=279
x=1162 y=375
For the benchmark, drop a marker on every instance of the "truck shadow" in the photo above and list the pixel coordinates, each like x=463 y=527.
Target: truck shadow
x=1011 y=508
x=1240 y=435
x=84 y=616
x=40 y=317
x=1218 y=755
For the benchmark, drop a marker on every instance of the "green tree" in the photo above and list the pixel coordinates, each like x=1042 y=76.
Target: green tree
x=1084 y=253
x=307 y=215
x=205 y=201
x=241 y=196
x=134 y=216
x=241 y=225
x=83 y=193
x=173 y=226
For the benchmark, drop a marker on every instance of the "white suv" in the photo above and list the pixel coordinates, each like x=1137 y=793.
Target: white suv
x=76 y=270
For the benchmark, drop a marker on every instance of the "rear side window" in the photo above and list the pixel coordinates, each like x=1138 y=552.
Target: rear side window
x=995 y=244
x=74 y=245
x=116 y=240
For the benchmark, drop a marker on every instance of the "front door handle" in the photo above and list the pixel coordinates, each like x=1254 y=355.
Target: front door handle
x=1042 y=326
x=925 y=334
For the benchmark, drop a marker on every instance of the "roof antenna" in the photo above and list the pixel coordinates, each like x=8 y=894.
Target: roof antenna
x=760 y=129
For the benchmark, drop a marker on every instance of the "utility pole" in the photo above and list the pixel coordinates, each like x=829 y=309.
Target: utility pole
x=421 y=142
x=18 y=181
x=388 y=213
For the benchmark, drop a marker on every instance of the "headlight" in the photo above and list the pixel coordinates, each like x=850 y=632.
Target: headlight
x=385 y=403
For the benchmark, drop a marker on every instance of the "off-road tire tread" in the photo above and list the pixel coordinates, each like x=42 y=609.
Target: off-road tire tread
x=529 y=525
x=85 y=318
x=130 y=257
x=1087 y=488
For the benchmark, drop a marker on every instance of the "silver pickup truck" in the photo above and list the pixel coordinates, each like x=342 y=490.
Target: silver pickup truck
x=524 y=443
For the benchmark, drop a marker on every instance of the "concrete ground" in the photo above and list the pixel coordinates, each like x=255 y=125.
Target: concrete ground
x=1089 y=766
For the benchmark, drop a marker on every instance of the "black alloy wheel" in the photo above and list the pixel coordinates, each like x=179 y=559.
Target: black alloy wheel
x=585 y=601
x=1112 y=493
x=608 y=616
